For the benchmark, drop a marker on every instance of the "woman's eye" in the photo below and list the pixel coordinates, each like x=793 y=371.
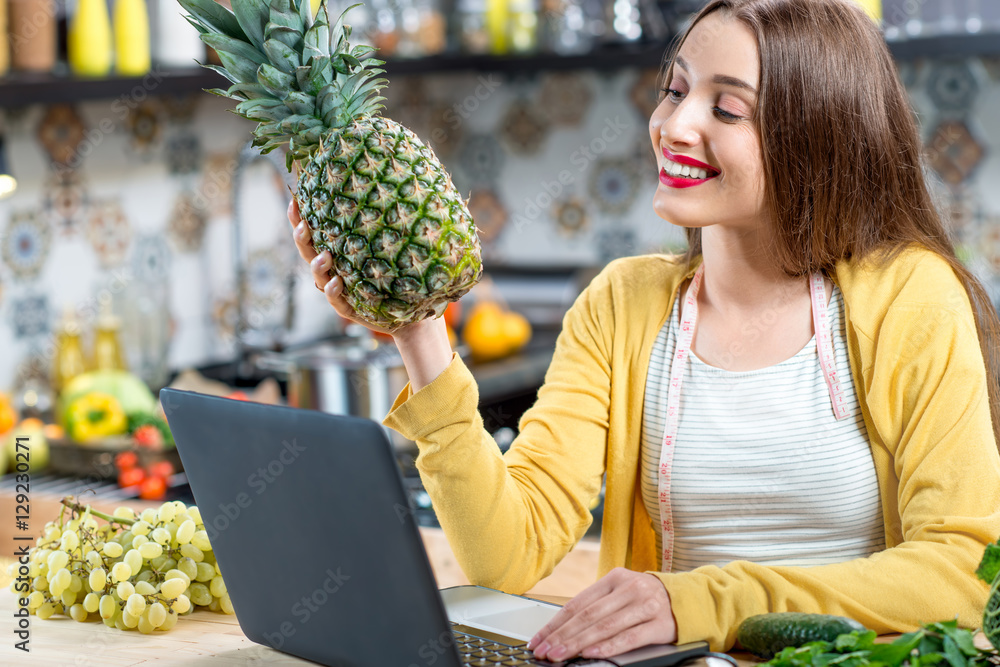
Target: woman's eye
x=725 y=115
x=676 y=96
x=671 y=94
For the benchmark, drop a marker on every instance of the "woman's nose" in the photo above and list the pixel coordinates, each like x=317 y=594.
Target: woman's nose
x=682 y=126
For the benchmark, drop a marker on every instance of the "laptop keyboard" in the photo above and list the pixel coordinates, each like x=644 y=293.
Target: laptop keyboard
x=482 y=651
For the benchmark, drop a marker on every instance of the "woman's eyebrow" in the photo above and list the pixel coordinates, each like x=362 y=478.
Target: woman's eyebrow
x=722 y=79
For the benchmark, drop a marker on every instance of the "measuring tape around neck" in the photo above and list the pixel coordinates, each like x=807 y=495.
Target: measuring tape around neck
x=685 y=338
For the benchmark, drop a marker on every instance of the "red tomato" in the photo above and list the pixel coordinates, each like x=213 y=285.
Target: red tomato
x=148 y=436
x=153 y=488
x=162 y=469
x=131 y=477
x=126 y=460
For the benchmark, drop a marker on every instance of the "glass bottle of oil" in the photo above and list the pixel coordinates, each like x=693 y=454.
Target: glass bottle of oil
x=70 y=360
x=107 y=346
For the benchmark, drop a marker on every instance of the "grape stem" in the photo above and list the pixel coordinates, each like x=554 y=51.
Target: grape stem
x=77 y=507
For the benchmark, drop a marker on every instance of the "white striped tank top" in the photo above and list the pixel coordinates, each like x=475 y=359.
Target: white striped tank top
x=762 y=469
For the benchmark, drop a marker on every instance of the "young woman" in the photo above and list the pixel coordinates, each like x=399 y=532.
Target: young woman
x=798 y=415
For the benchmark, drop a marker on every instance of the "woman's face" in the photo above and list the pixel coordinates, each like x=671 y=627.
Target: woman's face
x=704 y=119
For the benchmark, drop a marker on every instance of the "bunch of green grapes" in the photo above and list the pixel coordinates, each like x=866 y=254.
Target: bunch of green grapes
x=133 y=572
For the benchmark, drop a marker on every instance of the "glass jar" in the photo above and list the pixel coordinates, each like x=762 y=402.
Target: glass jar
x=384 y=29
x=32 y=25
x=565 y=28
x=523 y=26
x=473 y=34
x=432 y=36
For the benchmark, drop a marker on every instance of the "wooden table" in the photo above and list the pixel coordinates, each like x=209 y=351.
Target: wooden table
x=204 y=638
x=208 y=638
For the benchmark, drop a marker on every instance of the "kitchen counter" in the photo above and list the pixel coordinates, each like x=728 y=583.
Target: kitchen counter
x=202 y=639
x=208 y=638
x=516 y=374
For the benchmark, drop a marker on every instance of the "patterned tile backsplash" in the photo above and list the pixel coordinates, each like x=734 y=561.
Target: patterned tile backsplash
x=136 y=201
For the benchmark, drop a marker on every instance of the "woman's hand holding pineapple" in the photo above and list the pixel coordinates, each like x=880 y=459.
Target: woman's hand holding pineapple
x=423 y=345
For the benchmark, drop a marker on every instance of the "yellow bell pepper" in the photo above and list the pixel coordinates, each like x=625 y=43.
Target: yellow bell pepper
x=95 y=416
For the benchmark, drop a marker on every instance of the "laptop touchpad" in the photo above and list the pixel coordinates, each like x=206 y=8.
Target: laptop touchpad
x=493 y=611
x=519 y=624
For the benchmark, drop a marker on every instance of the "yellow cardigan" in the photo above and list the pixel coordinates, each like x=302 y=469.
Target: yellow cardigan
x=921 y=382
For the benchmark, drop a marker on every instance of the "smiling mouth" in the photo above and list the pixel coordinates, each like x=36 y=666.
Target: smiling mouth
x=675 y=177
x=676 y=170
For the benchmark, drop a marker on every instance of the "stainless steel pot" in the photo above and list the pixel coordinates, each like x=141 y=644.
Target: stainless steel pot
x=350 y=376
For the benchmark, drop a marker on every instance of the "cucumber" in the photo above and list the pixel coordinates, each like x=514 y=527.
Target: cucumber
x=766 y=634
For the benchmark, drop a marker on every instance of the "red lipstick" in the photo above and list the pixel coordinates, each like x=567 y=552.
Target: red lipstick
x=691 y=162
x=685 y=181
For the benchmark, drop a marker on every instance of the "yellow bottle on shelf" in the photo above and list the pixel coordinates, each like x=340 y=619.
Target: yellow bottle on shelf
x=4 y=40
x=107 y=346
x=131 y=23
x=497 y=19
x=69 y=358
x=873 y=7
x=90 y=39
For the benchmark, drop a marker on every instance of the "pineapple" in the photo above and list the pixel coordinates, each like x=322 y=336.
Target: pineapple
x=373 y=194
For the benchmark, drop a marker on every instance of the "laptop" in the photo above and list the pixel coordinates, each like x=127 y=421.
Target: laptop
x=317 y=542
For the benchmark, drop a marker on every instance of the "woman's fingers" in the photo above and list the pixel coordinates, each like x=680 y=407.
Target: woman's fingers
x=319 y=267
x=622 y=611
x=627 y=640
x=596 y=591
x=601 y=620
x=334 y=292
x=300 y=233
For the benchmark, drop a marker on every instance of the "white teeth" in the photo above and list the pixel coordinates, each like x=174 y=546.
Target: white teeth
x=684 y=170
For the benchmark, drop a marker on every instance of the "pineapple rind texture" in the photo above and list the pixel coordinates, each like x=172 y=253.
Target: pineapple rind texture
x=373 y=194
x=401 y=236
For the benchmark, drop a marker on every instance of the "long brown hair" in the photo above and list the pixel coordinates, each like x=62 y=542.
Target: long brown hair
x=841 y=149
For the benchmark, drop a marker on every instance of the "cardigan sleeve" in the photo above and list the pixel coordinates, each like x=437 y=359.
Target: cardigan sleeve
x=927 y=395
x=510 y=519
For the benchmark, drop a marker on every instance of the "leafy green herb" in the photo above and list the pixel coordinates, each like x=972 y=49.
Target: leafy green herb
x=990 y=565
x=941 y=644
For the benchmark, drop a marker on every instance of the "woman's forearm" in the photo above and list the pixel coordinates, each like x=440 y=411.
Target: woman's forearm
x=425 y=349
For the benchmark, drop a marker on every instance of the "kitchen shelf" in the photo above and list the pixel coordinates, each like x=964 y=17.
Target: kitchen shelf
x=19 y=90
x=947 y=46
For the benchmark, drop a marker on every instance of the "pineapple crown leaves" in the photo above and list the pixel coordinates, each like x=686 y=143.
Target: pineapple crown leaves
x=295 y=75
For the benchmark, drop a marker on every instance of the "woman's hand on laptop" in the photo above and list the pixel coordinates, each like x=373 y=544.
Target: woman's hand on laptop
x=623 y=611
